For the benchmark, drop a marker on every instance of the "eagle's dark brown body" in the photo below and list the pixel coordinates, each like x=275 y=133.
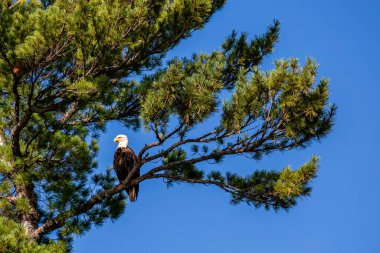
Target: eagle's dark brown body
x=123 y=162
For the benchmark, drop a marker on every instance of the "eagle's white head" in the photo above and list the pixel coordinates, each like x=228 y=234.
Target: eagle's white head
x=122 y=140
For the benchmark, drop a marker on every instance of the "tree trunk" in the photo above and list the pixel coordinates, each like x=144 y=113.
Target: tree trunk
x=28 y=219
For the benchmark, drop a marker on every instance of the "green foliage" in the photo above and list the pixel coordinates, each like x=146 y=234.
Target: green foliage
x=14 y=240
x=286 y=92
x=187 y=88
x=186 y=171
x=274 y=189
x=243 y=55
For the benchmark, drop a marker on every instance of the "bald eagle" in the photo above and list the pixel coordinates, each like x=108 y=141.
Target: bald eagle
x=123 y=161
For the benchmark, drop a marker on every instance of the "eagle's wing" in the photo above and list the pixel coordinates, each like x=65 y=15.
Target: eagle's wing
x=119 y=165
x=131 y=159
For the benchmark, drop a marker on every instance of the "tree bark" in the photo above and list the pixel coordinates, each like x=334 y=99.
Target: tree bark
x=28 y=219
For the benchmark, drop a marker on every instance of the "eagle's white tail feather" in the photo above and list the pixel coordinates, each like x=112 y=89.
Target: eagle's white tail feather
x=132 y=194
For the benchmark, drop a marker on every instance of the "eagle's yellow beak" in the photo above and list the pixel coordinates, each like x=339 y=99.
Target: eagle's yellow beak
x=115 y=140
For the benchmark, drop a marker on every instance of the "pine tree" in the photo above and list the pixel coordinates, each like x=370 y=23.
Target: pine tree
x=68 y=67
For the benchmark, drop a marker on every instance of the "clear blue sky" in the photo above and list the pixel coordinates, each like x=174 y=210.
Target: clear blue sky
x=343 y=212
